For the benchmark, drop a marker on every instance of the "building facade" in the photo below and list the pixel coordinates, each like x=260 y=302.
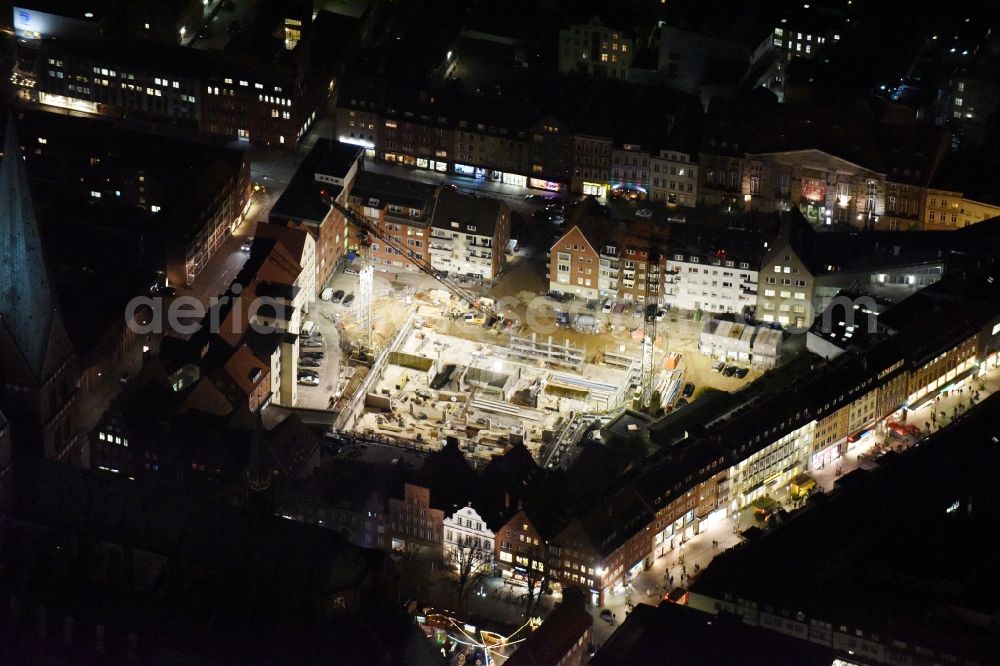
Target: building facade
x=469 y=235
x=594 y=50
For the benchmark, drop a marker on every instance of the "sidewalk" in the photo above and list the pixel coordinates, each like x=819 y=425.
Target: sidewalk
x=649 y=586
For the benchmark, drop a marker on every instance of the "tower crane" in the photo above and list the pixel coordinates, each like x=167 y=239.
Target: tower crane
x=650 y=300
x=367 y=231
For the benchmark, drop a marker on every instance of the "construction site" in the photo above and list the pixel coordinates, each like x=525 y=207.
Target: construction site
x=429 y=385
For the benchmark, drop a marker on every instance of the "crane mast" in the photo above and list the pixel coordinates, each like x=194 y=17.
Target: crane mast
x=365 y=295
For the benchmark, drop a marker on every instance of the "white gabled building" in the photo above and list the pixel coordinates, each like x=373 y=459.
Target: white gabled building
x=467 y=527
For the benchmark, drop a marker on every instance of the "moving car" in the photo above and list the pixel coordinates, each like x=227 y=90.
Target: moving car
x=660 y=314
x=348 y=299
x=688 y=390
x=247 y=243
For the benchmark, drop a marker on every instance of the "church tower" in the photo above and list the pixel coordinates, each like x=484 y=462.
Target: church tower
x=39 y=374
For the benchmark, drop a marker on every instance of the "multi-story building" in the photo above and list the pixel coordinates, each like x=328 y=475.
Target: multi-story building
x=591 y=165
x=630 y=169
x=129 y=181
x=520 y=548
x=595 y=50
x=168 y=22
x=467 y=530
x=946 y=209
x=469 y=235
x=803 y=271
x=266 y=101
x=400 y=208
x=457 y=136
x=673 y=178
x=575 y=266
x=326 y=174
x=713 y=269
x=441 y=487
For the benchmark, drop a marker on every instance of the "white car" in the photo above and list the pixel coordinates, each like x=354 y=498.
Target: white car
x=644 y=213
x=247 y=244
x=608 y=305
x=309 y=381
x=327 y=294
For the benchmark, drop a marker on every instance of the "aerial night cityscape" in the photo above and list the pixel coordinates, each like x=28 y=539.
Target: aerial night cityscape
x=525 y=333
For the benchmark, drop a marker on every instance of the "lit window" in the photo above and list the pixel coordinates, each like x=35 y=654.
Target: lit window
x=154 y=208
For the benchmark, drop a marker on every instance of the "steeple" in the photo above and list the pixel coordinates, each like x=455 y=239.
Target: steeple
x=27 y=302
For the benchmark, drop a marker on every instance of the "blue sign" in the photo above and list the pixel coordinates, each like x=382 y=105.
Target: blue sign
x=24 y=16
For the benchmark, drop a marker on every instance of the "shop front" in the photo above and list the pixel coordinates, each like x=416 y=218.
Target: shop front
x=827 y=456
x=515 y=179
x=595 y=189
x=541 y=184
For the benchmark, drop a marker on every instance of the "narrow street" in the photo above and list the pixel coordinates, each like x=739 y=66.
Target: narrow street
x=650 y=585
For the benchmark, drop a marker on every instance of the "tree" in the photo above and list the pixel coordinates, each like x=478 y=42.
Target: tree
x=470 y=560
x=537 y=578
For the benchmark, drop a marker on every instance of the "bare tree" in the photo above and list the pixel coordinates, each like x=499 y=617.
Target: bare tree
x=469 y=561
x=537 y=578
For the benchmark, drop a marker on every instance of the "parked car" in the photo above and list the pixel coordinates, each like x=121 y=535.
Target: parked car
x=688 y=390
x=311 y=344
x=742 y=372
x=326 y=294
x=307 y=373
x=660 y=314
x=348 y=299
x=608 y=305
x=309 y=363
x=730 y=370
x=607 y=616
x=309 y=381
x=318 y=355
x=644 y=213
x=337 y=296
x=352 y=270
